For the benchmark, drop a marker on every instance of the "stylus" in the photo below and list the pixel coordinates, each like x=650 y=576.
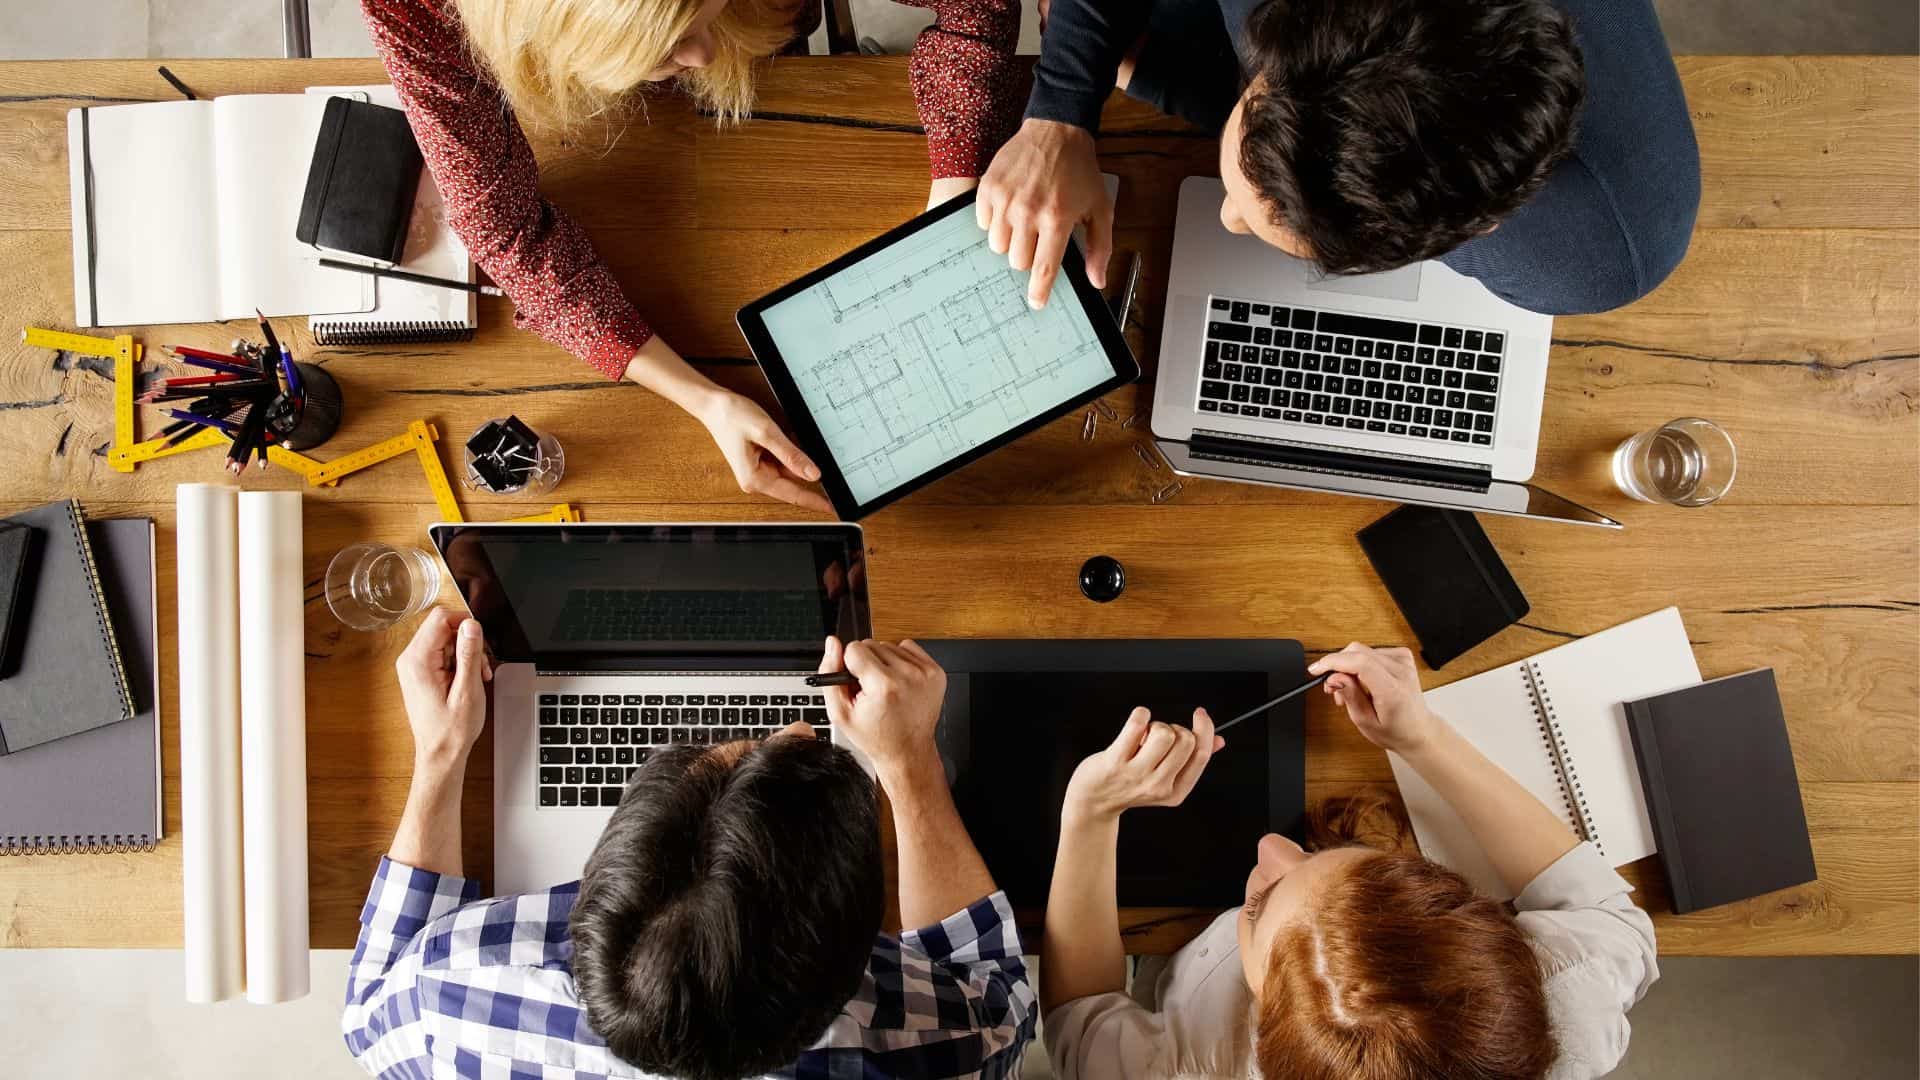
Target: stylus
x=831 y=678
x=1281 y=700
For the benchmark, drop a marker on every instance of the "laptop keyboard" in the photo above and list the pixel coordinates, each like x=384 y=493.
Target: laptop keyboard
x=590 y=744
x=1417 y=380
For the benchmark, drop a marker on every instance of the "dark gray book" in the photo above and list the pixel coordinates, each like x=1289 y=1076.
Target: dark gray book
x=68 y=676
x=1721 y=790
x=99 y=790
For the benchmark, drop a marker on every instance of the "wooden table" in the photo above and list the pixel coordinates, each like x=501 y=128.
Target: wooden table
x=1795 y=321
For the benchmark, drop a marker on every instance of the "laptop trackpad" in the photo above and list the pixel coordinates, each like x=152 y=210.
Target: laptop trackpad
x=1401 y=284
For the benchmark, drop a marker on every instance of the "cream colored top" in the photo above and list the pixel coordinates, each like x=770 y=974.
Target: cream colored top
x=1192 y=1023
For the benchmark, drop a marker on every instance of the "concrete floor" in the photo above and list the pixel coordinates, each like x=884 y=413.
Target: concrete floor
x=1706 y=1019
x=64 y=29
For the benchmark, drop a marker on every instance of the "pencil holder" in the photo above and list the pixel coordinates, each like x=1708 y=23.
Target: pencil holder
x=312 y=418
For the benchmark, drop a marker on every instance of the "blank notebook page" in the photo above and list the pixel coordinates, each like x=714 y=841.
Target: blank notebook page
x=1586 y=684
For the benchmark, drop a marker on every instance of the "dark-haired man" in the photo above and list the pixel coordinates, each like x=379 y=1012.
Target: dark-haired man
x=728 y=923
x=1541 y=147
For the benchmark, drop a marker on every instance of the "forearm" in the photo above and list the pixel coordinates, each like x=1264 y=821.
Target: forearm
x=429 y=832
x=1080 y=54
x=940 y=870
x=1520 y=835
x=1080 y=953
x=661 y=369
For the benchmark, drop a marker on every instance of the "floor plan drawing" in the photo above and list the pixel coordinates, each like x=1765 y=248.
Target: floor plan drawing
x=928 y=349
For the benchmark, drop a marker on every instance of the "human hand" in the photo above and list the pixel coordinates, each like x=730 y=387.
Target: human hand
x=892 y=714
x=1381 y=691
x=1042 y=183
x=442 y=673
x=764 y=461
x=947 y=187
x=1148 y=764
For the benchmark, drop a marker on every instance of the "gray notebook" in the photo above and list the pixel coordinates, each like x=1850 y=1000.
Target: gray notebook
x=68 y=678
x=99 y=790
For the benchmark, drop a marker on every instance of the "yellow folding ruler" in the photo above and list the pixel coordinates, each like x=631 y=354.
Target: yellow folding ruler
x=201 y=440
x=124 y=354
x=418 y=438
x=562 y=512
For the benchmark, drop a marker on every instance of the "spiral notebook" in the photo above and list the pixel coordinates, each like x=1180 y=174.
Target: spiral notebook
x=1557 y=722
x=99 y=790
x=403 y=311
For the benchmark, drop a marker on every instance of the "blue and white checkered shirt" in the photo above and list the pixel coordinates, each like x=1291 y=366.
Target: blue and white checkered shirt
x=442 y=984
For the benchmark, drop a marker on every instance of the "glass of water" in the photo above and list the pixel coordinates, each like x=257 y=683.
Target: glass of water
x=372 y=586
x=1687 y=462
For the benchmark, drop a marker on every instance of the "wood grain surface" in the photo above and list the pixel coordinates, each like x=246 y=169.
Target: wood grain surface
x=1795 y=322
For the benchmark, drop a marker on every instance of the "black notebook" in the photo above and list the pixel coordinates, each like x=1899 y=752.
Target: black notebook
x=1445 y=577
x=1721 y=790
x=99 y=790
x=361 y=183
x=68 y=677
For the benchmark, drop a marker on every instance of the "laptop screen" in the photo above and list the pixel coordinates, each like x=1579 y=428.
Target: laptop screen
x=654 y=596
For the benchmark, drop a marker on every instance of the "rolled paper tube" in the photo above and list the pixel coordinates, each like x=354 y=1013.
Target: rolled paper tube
x=209 y=645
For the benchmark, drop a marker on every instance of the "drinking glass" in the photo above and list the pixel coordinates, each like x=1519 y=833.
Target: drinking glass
x=372 y=586
x=1686 y=462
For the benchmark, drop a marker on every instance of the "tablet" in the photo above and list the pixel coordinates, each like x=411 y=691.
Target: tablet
x=1020 y=716
x=916 y=353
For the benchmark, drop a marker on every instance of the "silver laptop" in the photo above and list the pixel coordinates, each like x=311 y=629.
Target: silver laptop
x=613 y=642
x=1417 y=385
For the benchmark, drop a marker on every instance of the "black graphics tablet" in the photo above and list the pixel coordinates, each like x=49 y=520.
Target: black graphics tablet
x=1020 y=715
x=916 y=353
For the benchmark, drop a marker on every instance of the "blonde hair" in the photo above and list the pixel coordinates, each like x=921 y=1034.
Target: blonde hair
x=562 y=62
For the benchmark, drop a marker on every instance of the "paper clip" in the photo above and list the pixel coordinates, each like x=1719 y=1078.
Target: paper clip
x=1086 y=429
x=1146 y=454
x=1127 y=424
x=1106 y=410
x=1166 y=493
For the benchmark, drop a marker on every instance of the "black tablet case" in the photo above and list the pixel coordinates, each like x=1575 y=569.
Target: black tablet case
x=1445 y=577
x=361 y=184
x=1009 y=773
x=70 y=678
x=1722 y=791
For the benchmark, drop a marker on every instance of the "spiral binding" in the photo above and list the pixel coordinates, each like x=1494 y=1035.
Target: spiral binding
x=390 y=333
x=77 y=515
x=85 y=844
x=1572 y=793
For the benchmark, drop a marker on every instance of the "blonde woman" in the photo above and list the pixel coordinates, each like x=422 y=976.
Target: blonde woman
x=467 y=72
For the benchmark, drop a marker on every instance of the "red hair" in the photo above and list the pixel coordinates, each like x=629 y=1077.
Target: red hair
x=1401 y=970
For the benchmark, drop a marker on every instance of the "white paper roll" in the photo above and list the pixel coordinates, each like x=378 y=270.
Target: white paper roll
x=209 y=738
x=273 y=745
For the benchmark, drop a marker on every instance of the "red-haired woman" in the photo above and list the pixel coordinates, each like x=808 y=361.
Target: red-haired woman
x=1347 y=962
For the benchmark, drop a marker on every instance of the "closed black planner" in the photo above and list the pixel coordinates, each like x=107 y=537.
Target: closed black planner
x=1445 y=577
x=17 y=549
x=1721 y=789
x=69 y=677
x=361 y=184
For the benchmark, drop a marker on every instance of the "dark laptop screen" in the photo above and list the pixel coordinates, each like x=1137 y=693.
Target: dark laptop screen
x=660 y=595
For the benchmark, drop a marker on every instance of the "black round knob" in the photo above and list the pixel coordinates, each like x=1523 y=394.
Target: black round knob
x=1102 y=579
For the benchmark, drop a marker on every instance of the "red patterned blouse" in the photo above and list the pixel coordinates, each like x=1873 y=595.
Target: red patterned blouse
x=963 y=83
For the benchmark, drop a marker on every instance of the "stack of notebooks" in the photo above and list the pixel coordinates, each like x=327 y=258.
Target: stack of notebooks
x=236 y=221
x=1618 y=734
x=79 y=689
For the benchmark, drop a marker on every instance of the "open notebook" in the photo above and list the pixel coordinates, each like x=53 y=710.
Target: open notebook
x=183 y=211
x=405 y=311
x=1557 y=722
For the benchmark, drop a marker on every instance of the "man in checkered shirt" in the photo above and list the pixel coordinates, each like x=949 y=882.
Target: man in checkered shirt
x=729 y=920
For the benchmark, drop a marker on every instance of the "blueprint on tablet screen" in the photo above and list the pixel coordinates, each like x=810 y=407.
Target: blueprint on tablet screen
x=927 y=349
